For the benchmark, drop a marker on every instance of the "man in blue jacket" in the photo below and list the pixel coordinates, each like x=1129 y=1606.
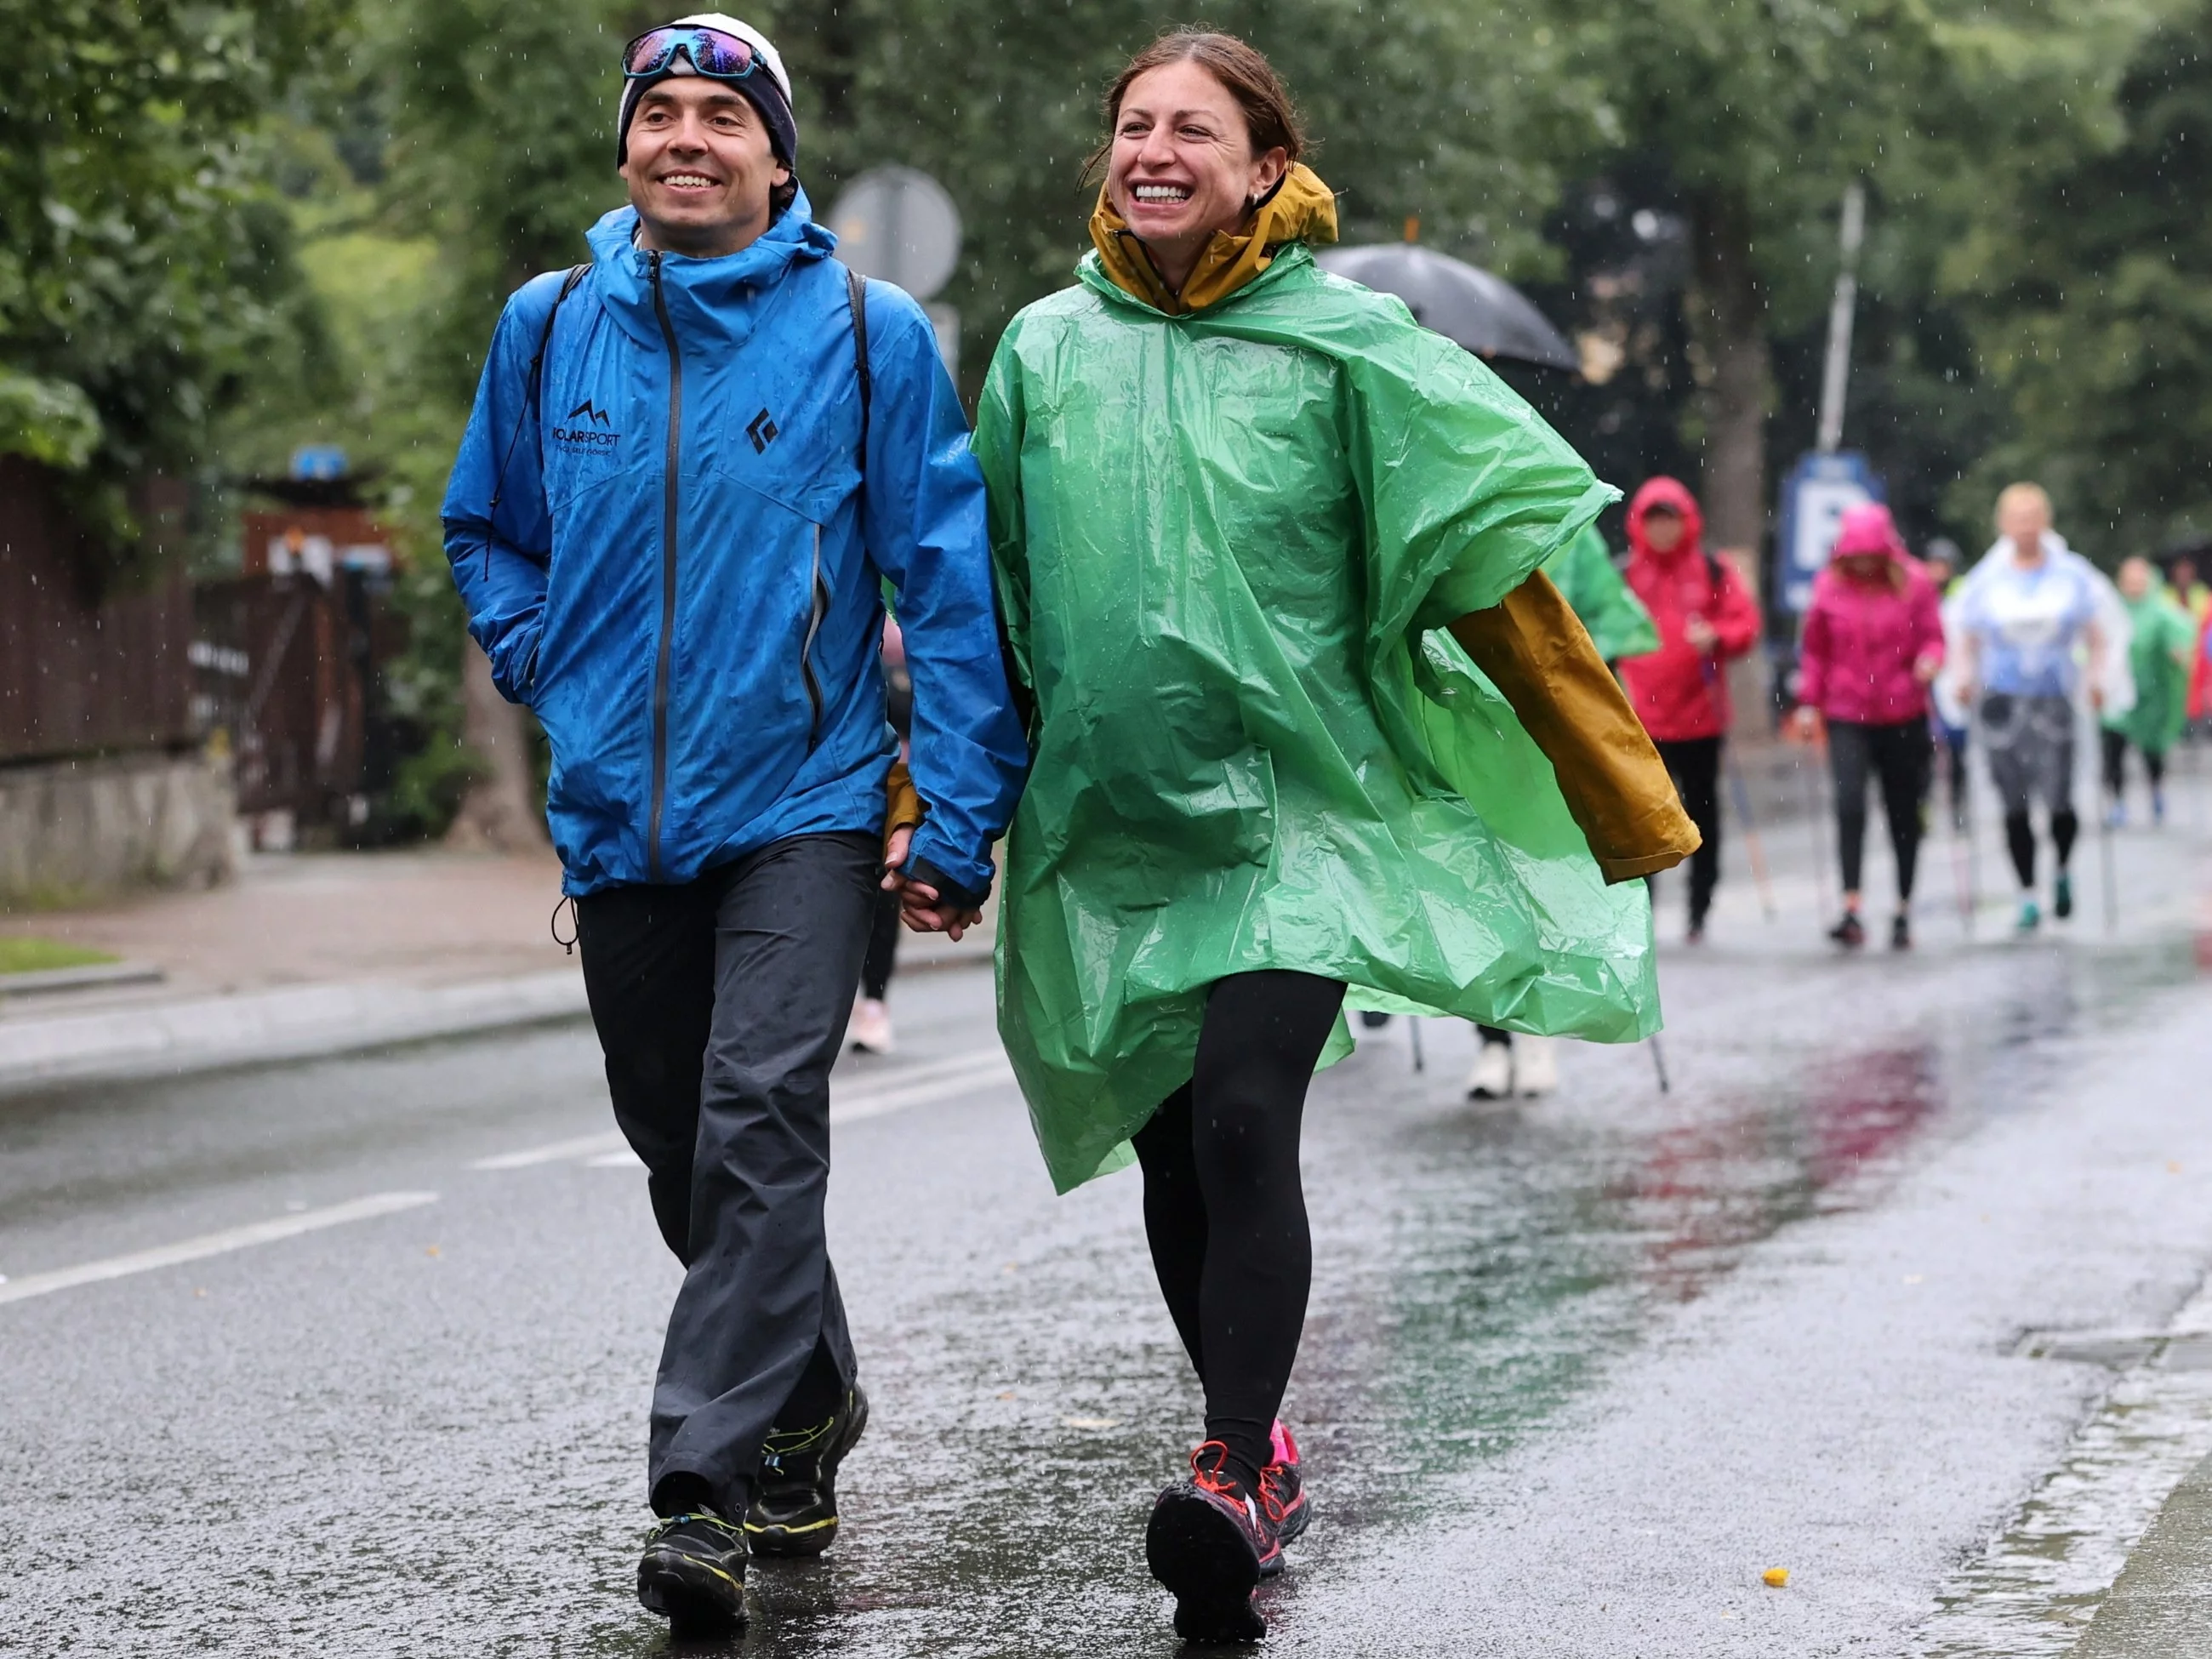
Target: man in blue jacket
x=691 y=465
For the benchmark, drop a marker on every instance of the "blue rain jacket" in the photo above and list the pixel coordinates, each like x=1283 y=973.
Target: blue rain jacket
x=682 y=574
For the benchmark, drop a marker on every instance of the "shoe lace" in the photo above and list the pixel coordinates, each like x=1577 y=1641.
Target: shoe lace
x=1271 y=1495
x=794 y=1445
x=733 y=1536
x=1213 y=1477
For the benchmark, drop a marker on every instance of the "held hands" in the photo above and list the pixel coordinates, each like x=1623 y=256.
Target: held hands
x=919 y=908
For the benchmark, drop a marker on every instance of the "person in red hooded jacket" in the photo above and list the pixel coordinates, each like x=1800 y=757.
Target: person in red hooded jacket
x=1706 y=616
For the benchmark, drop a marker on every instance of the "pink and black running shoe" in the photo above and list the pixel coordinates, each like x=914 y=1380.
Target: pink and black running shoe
x=1209 y=1543
x=1283 y=1493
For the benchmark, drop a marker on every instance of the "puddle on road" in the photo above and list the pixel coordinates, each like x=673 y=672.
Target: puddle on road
x=2035 y=1590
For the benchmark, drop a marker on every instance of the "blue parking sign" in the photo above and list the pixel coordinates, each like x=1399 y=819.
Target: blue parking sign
x=1820 y=491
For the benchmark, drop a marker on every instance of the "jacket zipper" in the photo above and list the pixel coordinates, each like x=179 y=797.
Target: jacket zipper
x=819 y=595
x=672 y=466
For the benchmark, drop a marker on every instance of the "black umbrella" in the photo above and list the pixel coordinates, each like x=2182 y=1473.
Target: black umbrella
x=1487 y=314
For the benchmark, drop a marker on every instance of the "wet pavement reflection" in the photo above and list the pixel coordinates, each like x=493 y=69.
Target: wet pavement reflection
x=1480 y=1266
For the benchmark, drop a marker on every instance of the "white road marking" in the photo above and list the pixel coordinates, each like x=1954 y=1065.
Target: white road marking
x=897 y=1093
x=559 y=1152
x=207 y=1244
x=891 y=1091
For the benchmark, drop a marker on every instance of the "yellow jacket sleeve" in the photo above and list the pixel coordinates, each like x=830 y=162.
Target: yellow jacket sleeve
x=1540 y=657
x=902 y=805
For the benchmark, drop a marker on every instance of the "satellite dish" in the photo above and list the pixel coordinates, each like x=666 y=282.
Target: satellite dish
x=896 y=224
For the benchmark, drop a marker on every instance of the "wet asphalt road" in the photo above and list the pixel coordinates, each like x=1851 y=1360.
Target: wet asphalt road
x=1577 y=1372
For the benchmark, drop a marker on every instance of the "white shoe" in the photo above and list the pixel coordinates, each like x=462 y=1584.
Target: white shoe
x=870 y=1030
x=1535 y=1065
x=1492 y=1075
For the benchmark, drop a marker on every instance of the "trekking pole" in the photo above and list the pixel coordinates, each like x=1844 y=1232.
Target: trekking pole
x=1413 y=1034
x=2111 y=870
x=1740 y=792
x=1659 y=1062
x=1814 y=818
x=1962 y=856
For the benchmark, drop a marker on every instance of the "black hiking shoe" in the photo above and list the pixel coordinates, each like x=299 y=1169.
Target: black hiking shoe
x=693 y=1574
x=1900 y=932
x=794 y=1510
x=1211 y=1543
x=1850 y=932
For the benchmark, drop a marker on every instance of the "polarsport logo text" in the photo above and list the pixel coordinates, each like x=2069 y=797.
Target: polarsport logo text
x=581 y=427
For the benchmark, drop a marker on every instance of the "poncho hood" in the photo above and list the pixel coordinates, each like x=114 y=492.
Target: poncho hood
x=1673 y=496
x=1301 y=209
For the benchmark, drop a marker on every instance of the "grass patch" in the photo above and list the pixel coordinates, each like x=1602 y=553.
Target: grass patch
x=23 y=954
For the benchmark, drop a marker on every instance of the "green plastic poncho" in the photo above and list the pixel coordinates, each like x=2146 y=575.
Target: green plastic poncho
x=2159 y=657
x=1221 y=539
x=1583 y=573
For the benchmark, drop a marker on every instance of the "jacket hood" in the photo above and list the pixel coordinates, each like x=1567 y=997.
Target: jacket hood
x=1869 y=529
x=707 y=299
x=1667 y=493
x=1301 y=209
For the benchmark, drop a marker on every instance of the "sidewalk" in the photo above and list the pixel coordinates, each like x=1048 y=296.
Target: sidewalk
x=316 y=953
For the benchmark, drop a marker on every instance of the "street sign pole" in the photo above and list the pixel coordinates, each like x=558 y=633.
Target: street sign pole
x=1835 y=374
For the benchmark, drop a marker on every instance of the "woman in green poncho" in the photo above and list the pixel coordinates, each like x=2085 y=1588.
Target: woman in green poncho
x=2160 y=641
x=1232 y=497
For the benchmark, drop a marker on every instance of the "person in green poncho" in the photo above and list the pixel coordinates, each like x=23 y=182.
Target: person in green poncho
x=1307 y=725
x=2158 y=655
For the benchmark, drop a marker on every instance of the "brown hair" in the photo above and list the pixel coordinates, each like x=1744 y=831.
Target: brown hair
x=1270 y=118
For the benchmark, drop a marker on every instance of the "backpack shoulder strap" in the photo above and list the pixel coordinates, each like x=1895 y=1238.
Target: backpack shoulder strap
x=856 y=301
x=537 y=374
x=576 y=274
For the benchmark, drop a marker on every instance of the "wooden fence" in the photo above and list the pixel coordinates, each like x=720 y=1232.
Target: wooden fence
x=82 y=672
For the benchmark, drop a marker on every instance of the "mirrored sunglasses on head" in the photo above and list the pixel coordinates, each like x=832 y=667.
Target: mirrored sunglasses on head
x=713 y=53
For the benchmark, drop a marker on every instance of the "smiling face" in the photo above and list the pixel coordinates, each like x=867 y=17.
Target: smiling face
x=1183 y=165
x=700 y=170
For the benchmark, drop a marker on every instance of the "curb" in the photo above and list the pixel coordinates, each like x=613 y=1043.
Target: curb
x=209 y=1033
x=100 y=977
x=201 y=1034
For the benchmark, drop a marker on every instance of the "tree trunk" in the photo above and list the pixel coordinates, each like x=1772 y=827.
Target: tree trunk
x=498 y=814
x=1727 y=314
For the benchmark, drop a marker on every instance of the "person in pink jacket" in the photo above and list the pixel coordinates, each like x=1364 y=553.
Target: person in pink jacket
x=1874 y=640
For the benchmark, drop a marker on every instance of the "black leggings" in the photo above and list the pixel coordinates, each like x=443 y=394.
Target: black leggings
x=1224 y=1209
x=2020 y=841
x=1898 y=755
x=883 y=948
x=1694 y=763
x=2116 y=764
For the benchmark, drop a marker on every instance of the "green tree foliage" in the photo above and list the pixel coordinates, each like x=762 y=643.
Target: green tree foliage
x=1762 y=112
x=2090 y=281
x=142 y=258
x=1420 y=110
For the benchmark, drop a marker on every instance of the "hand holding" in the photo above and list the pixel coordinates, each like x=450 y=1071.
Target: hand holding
x=895 y=850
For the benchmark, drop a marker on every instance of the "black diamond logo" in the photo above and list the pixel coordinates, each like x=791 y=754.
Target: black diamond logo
x=762 y=431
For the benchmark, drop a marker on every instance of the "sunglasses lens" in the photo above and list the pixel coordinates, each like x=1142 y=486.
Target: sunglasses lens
x=714 y=53
x=650 y=51
x=711 y=51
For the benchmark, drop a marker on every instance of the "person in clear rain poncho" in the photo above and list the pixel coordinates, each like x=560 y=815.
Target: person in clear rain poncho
x=1309 y=727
